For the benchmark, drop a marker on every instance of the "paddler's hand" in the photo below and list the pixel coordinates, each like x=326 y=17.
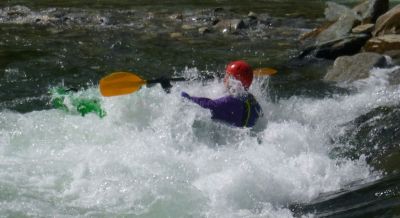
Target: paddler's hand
x=185 y=95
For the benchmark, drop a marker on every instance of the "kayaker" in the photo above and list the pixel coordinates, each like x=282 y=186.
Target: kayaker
x=238 y=108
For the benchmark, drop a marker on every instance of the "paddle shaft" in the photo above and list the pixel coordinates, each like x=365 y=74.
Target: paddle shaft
x=162 y=80
x=122 y=83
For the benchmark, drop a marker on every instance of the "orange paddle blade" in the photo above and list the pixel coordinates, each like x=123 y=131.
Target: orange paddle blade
x=266 y=71
x=120 y=83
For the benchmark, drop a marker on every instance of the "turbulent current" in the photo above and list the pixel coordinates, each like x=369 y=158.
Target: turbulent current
x=321 y=149
x=157 y=155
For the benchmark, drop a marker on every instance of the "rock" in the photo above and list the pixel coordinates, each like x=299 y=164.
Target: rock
x=394 y=77
x=18 y=10
x=330 y=50
x=370 y=10
x=176 y=35
x=204 y=30
x=389 y=23
x=384 y=43
x=334 y=11
x=230 y=25
x=316 y=31
x=351 y=68
x=341 y=28
x=365 y=28
x=252 y=15
x=395 y=55
x=188 y=27
x=176 y=17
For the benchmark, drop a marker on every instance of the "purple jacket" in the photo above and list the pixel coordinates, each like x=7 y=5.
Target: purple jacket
x=238 y=111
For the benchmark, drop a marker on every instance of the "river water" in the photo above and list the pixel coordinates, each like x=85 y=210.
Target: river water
x=320 y=150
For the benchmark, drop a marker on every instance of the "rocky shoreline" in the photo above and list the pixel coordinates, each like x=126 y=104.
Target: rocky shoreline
x=358 y=39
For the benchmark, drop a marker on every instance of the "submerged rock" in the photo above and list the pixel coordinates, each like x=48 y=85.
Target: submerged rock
x=375 y=135
x=204 y=30
x=230 y=25
x=351 y=68
x=394 y=77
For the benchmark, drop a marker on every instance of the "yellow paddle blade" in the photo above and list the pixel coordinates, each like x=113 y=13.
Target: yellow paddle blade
x=266 y=71
x=120 y=83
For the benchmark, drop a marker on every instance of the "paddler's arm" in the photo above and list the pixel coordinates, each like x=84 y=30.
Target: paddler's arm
x=203 y=102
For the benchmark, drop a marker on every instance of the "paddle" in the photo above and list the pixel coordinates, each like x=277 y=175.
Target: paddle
x=122 y=83
x=266 y=71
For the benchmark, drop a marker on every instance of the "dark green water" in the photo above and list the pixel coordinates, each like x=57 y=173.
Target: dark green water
x=48 y=43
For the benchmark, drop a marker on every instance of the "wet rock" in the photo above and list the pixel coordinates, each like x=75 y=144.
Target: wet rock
x=370 y=10
x=176 y=16
x=341 y=28
x=204 y=30
x=315 y=32
x=365 y=28
x=349 y=45
x=344 y=35
x=188 y=27
x=230 y=25
x=394 y=77
x=376 y=129
x=18 y=10
x=395 y=55
x=334 y=11
x=389 y=23
x=383 y=43
x=252 y=15
x=351 y=68
x=176 y=35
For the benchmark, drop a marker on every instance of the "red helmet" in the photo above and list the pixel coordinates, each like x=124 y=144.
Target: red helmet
x=241 y=71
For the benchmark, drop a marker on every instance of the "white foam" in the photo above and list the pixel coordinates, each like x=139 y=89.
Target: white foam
x=158 y=155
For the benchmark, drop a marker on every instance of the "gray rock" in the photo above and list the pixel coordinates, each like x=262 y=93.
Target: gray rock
x=351 y=68
x=395 y=55
x=252 y=15
x=204 y=30
x=18 y=10
x=334 y=11
x=349 y=45
x=230 y=25
x=394 y=78
x=341 y=28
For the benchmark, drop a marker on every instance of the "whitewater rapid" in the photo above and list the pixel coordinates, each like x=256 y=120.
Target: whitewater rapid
x=158 y=155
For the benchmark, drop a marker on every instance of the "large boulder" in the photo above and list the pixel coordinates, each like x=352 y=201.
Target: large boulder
x=351 y=68
x=389 y=23
x=383 y=43
x=370 y=10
